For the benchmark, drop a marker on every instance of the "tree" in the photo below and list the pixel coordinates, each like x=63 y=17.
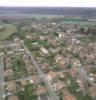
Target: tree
x=28 y=93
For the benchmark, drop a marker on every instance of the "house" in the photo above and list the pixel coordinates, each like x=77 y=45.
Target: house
x=24 y=82
x=52 y=76
x=74 y=72
x=35 y=79
x=52 y=41
x=41 y=90
x=76 y=62
x=94 y=77
x=35 y=44
x=68 y=96
x=26 y=59
x=8 y=72
x=43 y=97
x=7 y=61
x=61 y=75
x=8 y=45
x=58 y=86
x=29 y=36
x=79 y=82
x=54 y=50
x=8 y=65
x=60 y=35
x=17 y=40
x=13 y=97
x=53 y=23
x=11 y=45
x=10 y=52
x=60 y=60
x=44 y=51
x=30 y=68
x=19 y=50
x=42 y=38
x=92 y=91
x=10 y=87
x=45 y=67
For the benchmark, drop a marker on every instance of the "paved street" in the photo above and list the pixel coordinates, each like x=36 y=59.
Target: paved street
x=20 y=79
x=1 y=78
x=51 y=92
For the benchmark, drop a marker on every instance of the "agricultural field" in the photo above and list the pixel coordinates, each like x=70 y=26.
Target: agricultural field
x=81 y=23
x=6 y=30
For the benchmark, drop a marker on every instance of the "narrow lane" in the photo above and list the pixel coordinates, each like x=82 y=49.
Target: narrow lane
x=1 y=78
x=51 y=92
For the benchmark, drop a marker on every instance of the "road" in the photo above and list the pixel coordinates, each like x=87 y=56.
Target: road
x=1 y=78
x=20 y=79
x=51 y=92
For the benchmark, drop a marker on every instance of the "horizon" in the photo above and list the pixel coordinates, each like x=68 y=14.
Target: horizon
x=48 y=3
x=43 y=7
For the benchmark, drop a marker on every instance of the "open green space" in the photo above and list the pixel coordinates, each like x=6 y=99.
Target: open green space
x=82 y=23
x=6 y=31
x=91 y=38
x=18 y=65
x=28 y=93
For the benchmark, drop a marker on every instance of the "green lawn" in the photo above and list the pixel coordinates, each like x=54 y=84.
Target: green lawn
x=8 y=30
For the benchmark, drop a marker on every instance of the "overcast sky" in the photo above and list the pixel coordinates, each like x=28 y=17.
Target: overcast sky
x=52 y=3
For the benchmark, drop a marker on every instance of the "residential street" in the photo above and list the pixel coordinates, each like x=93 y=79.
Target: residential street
x=1 y=78
x=51 y=92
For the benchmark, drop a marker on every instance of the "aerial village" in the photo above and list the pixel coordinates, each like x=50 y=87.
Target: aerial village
x=60 y=62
